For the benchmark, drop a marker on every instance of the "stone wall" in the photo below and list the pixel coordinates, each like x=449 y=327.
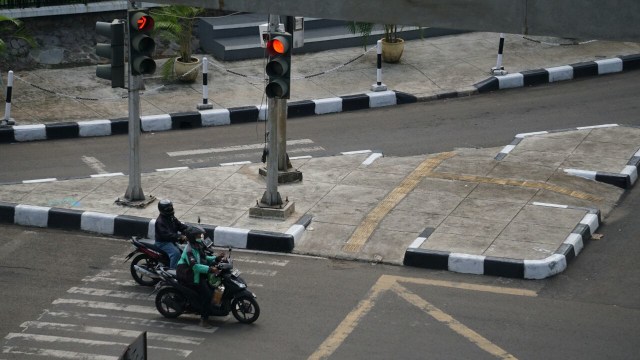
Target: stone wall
x=66 y=41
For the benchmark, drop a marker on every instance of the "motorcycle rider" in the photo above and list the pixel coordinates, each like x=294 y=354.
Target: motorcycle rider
x=193 y=267
x=167 y=227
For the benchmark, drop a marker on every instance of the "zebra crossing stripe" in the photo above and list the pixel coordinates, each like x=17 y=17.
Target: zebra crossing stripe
x=111 y=332
x=107 y=306
x=261 y=262
x=114 y=281
x=110 y=293
x=128 y=320
x=59 y=354
x=62 y=339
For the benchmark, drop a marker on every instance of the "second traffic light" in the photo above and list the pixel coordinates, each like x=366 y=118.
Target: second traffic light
x=279 y=65
x=141 y=45
x=114 y=51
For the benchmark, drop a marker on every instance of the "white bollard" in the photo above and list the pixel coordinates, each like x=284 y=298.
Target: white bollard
x=379 y=86
x=205 y=87
x=7 y=108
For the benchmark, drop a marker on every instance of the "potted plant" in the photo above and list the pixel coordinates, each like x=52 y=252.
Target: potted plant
x=175 y=23
x=392 y=45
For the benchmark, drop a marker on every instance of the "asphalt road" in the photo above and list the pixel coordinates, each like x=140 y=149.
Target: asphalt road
x=72 y=293
x=485 y=120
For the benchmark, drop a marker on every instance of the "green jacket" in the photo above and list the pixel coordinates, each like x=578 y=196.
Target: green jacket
x=191 y=257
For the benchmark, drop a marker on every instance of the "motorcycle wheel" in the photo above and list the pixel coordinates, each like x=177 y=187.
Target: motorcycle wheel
x=245 y=309
x=167 y=300
x=145 y=261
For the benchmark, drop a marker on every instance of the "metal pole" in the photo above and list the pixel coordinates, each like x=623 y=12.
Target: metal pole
x=7 y=107
x=134 y=190
x=499 y=69
x=281 y=105
x=205 y=86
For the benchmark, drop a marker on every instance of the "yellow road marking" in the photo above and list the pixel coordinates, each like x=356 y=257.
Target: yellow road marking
x=513 y=182
x=389 y=282
x=452 y=323
x=371 y=221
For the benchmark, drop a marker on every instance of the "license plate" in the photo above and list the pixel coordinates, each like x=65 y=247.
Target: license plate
x=235 y=272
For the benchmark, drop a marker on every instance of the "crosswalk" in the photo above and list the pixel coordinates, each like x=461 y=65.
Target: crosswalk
x=107 y=311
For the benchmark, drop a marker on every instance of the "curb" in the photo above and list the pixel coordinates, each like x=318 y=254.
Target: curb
x=203 y=118
x=625 y=179
x=559 y=73
x=506 y=267
x=127 y=226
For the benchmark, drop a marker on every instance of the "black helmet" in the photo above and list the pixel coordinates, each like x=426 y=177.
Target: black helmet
x=165 y=207
x=193 y=233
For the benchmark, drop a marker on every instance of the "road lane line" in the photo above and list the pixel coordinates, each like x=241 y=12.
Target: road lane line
x=110 y=293
x=232 y=148
x=94 y=164
x=362 y=233
x=467 y=286
x=452 y=323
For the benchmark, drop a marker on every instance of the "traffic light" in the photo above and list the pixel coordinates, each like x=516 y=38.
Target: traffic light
x=140 y=43
x=114 y=51
x=279 y=65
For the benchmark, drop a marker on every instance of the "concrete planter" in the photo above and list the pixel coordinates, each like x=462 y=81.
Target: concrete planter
x=187 y=72
x=392 y=52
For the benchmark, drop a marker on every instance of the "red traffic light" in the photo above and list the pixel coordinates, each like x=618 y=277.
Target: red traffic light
x=279 y=45
x=145 y=23
x=141 y=21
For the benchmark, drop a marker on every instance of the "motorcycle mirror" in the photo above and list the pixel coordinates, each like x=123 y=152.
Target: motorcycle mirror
x=198 y=219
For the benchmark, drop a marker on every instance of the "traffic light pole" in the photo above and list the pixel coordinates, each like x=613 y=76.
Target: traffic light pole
x=134 y=191
x=271 y=196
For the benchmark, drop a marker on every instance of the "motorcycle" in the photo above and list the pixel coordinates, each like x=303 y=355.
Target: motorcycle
x=230 y=295
x=143 y=266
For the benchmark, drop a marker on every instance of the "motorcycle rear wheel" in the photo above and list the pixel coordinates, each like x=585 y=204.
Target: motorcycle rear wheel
x=143 y=260
x=245 y=309
x=170 y=303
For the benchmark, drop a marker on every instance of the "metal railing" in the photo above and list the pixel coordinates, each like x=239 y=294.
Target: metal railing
x=22 y=4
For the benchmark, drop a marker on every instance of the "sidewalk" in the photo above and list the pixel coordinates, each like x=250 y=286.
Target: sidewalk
x=521 y=211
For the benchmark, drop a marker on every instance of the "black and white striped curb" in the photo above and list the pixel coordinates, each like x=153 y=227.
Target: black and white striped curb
x=559 y=73
x=127 y=226
x=202 y=118
x=506 y=267
x=625 y=179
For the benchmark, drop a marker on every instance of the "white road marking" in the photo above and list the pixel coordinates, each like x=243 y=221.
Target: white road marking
x=107 y=175
x=50 y=353
x=128 y=320
x=357 y=152
x=236 y=163
x=191 y=161
x=174 y=168
x=232 y=148
x=107 y=306
x=95 y=164
x=111 y=280
x=371 y=159
x=262 y=262
x=62 y=339
x=110 y=293
x=111 y=332
x=38 y=180
x=259 y=272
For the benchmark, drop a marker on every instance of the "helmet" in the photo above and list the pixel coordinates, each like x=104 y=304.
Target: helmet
x=194 y=233
x=165 y=207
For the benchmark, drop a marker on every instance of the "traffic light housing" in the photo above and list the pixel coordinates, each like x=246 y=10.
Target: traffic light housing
x=141 y=45
x=278 y=67
x=114 y=51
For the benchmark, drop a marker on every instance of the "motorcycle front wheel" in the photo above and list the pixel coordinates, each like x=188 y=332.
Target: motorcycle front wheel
x=245 y=309
x=170 y=303
x=143 y=260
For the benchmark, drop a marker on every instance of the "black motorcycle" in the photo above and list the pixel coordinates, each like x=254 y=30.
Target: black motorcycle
x=143 y=266
x=230 y=295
